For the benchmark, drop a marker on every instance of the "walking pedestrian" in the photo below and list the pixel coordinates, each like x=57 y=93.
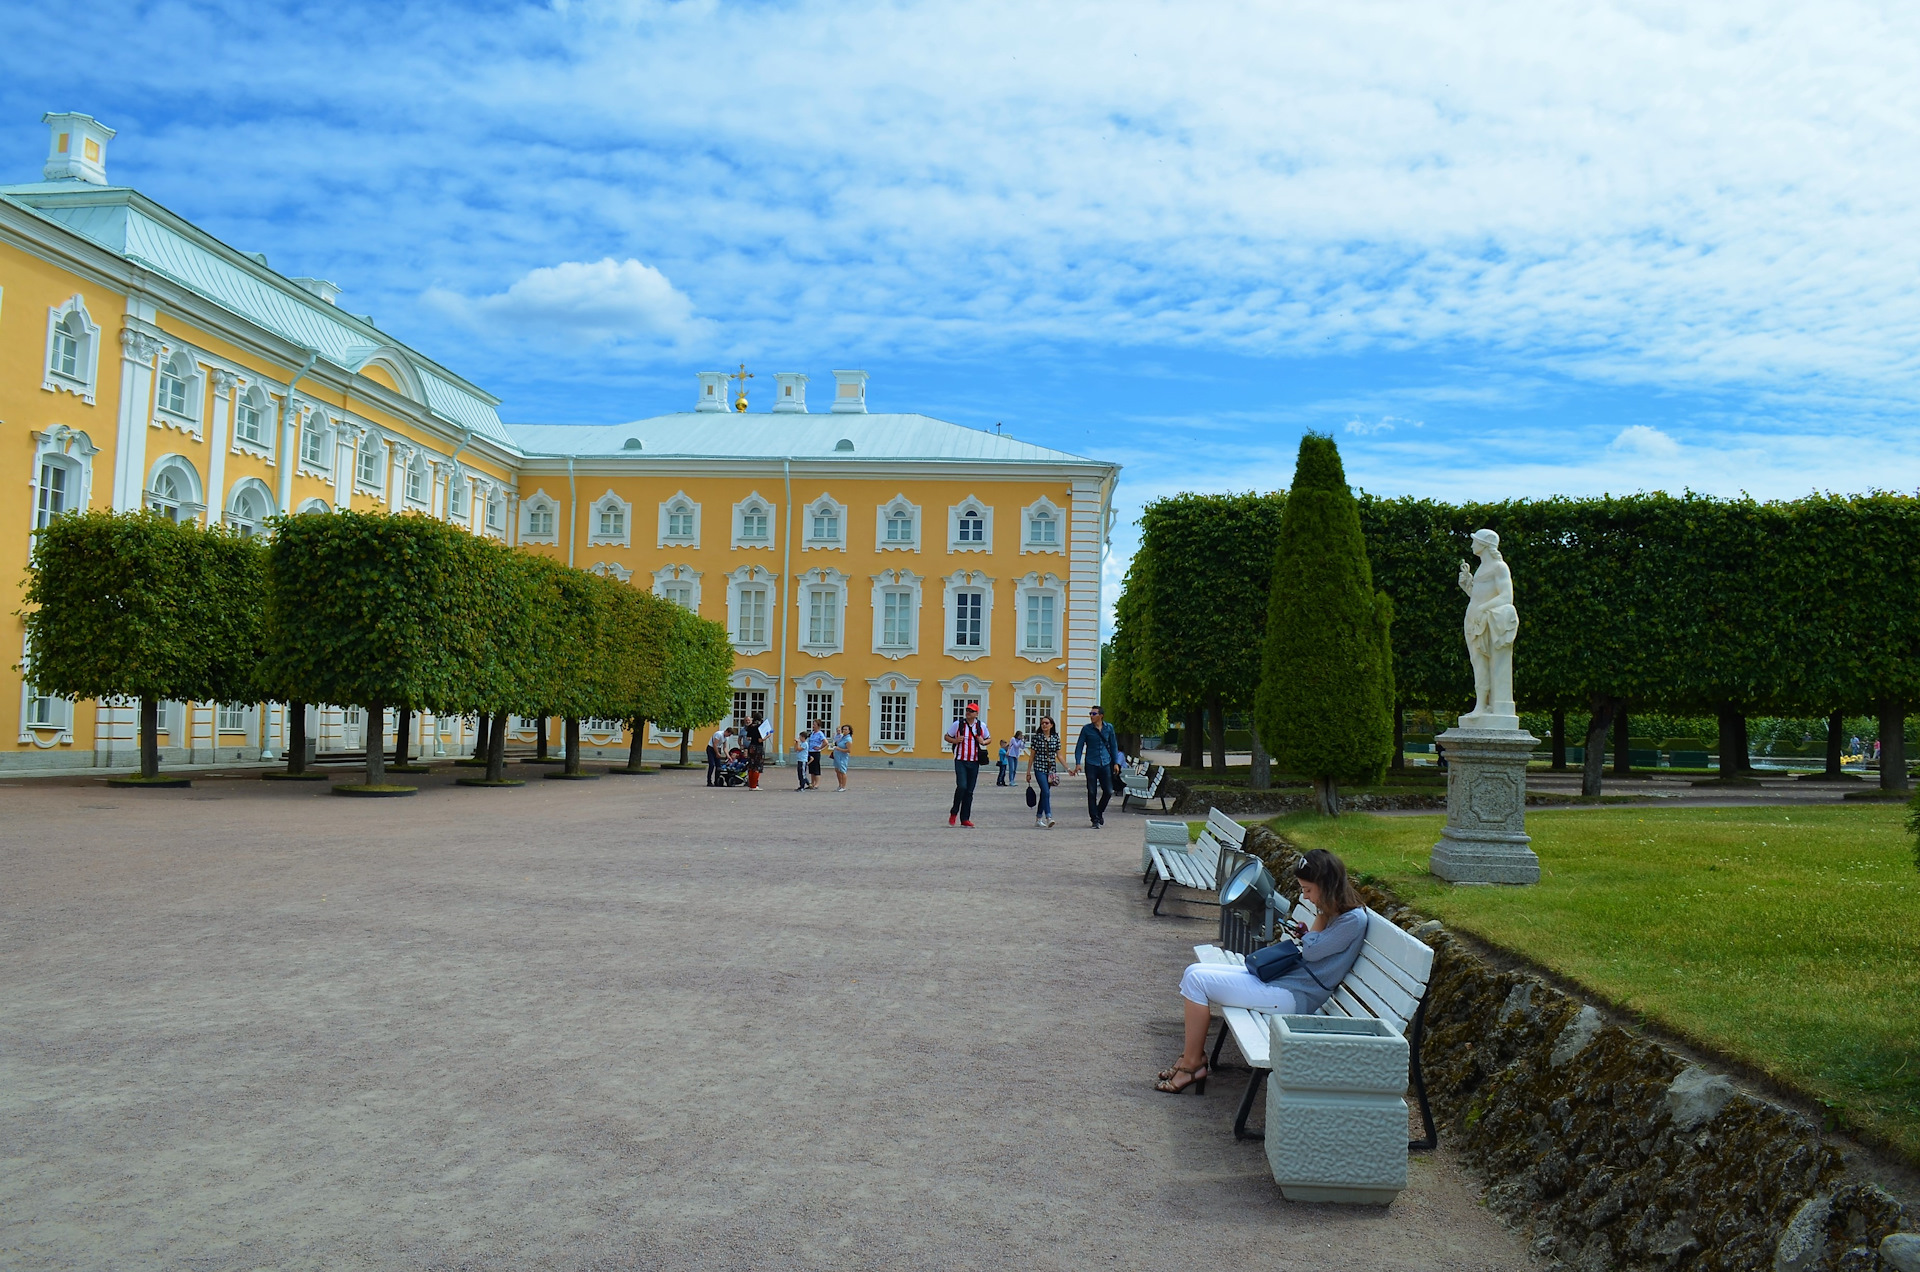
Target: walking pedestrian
x=1001 y=775
x=970 y=742
x=717 y=753
x=756 y=753
x=1100 y=750
x=816 y=743
x=1015 y=749
x=800 y=755
x=842 y=756
x=1043 y=758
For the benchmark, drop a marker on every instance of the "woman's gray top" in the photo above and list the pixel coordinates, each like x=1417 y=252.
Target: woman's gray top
x=1330 y=954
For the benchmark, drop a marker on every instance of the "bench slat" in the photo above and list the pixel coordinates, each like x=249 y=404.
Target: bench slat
x=1376 y=1004
x=1387 y=999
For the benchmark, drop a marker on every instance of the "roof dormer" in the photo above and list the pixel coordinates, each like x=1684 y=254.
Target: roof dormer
x=76 y=148
x=713 y=391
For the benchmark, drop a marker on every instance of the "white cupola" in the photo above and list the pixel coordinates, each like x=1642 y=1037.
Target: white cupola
x=77 y=148
x=789 y=393
x=849 y=392
x=713 y=391
x=318 y=287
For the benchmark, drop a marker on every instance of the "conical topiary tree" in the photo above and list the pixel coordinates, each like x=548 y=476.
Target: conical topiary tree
x=1325 y=703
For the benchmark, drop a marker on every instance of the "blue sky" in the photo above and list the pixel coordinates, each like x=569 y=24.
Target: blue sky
x=1495 y=249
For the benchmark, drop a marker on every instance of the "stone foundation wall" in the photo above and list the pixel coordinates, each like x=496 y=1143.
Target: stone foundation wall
x=1615 y=1152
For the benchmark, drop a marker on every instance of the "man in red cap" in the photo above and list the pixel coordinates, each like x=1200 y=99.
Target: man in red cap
x=969 y=740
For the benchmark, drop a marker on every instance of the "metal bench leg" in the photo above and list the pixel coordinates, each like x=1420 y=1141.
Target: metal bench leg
x=1420 y=1082
x=1213 y=1061
x=1240 y=1131
x=1162 y=896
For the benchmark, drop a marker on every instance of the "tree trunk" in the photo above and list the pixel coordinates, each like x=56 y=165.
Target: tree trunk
x=1399 y=764
x=1559 y=739
x=686 y=735
x=1190 y=731
x=1217 y=726
x=376 y=744
x=403 y=737
x=1893 y=745
x=296 y=738
x=1836 y=745
x=573 y=745
x=497 y=748
x=636 y=750
x=1733 y=743
x=1326 y=797
x=481 y=732
x=1594 y=762
x=1622 y=745
x=1261 y=776
x=149 y=737
x=540 y=740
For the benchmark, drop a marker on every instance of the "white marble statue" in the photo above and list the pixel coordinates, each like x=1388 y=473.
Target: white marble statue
x=1492 y=623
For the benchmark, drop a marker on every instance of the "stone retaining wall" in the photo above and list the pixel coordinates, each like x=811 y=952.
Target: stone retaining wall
x=1614 y=1151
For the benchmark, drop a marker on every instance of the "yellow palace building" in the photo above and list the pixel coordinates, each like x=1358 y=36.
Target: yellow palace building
x=874 y=569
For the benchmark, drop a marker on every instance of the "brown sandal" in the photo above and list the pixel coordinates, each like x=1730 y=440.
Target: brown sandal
x=1196 y=1080
x=1166 y=1074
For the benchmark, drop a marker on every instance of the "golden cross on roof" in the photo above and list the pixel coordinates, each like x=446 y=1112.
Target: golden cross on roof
x=743 y=375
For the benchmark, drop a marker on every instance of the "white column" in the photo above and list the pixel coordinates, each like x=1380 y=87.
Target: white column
x=138 y=350
x=1084 y=534
x=223 y=386
x=345 y=458
x=286 y=451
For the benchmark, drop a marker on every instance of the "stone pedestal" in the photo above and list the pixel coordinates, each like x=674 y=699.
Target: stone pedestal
x=1485 y=840
x=1336 y=1112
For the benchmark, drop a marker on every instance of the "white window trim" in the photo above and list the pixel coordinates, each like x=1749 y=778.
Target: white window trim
x=820 y=579
x=43 y=736
x=187 y=421
x=604 y=503
x=817 y=682
x=192 y=505
x=953 y=526
x=484 y=495
x=678 y=574
x=461 y=482
x=899 y=503
x=89 y=360
x=752 y=576
x=773 y=526
x=892 y=683
x=315 y=505
x=611 y=570
x=1043 y=504
x=322 y=425
x=965 y=686
x=1037 y=584
x=1038 y=687
x=416 y=461
x=666 y=540
x=951 y=585
x=369 y=442
x=896 y=581
x=76 y=450
x=239 y=445
x=825 y=503
x=539 y=499
x=753 y=681
x=259 y=488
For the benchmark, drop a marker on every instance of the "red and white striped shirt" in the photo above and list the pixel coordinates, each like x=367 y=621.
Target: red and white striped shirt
x=969 y=741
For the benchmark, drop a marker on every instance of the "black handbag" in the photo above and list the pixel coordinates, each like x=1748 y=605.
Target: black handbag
x=1033 y=796
x=1275 y=961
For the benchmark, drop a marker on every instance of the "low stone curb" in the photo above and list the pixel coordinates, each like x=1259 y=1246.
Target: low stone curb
x=1614 y=1151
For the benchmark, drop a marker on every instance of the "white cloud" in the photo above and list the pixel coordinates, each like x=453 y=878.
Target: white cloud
x=1644 y=440
x=592 y=300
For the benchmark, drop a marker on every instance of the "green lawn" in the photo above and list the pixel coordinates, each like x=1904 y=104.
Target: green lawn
x=1789 y=938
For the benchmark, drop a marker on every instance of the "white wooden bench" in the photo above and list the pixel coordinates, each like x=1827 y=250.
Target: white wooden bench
x=1143 y=786
x=1198 y=868
x=1389 y=984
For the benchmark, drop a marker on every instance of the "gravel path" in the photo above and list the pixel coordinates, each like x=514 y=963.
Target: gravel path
x=629 y=1023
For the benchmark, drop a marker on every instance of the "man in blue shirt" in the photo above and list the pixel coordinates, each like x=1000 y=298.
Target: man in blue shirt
x=1100 y=750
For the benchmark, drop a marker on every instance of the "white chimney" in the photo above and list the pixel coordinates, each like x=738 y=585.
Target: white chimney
x=789 y=393
x=318 y=286
x=77 y=149
x=849 y=392
x=713 y=391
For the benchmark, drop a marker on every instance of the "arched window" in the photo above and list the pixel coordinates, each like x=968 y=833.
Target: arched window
x=68 y=334
x=417 y=480
x=313 y=445
x=610 y=521
x=56 y=488
x=973 y=526
x=826 y=523
x=680 y=520
x=970 y=526
x=73 y=348
x=457 y=499
x=496 y=512
x=316 y=505
x=540 y=521
x=367 y=462
x=250 y=416
x=1043 y=528
x=613 y=521
x=174 y=489
x=173 y=393
x=166 y=496
x=753 y=523
x=249 y=506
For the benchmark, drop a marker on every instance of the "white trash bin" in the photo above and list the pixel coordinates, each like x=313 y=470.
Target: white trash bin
x=1336 y=1110
x=1167 y=834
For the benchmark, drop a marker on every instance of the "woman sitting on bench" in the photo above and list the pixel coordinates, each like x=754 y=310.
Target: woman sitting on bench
x=1330 y=950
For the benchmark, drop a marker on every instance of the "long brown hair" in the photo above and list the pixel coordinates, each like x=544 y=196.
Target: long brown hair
x=1330 y=873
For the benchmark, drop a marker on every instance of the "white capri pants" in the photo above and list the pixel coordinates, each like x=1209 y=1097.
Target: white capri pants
x=1225 y=985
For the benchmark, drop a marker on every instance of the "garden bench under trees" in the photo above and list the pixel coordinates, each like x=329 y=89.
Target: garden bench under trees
x=1144 y=786
x=1388 y=984
x=1198 y=867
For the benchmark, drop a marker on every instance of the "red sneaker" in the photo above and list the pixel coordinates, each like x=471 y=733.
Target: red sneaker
x=953 y=819
x=968 y=825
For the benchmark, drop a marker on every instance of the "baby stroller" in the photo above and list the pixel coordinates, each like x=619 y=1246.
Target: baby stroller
x=733 y=770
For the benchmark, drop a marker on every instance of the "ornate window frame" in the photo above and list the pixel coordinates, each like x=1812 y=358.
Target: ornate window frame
x=892 y=683
x=180 y=363
x=679 y=501
x=537 y=502
x=248 y=486
x=73 y=451
x=416 y=467
x=951 y=586
x=1037 y=584
x=755 y=500
x=368 y=444
x=193 y=503
x=686 y=574
x=1038 y=687
x=493 y=509
x=905 y=582
x=827 y=504
x=747 y=679
x=83 y=383
x=954 y=512
x=317 y=424
x=611 y=570
x=752 y=576
x=610 y=502
x=315 y=505
x=58 y=728
x=818 y=682
x=965 y=685
x=255 y=395
x=827 y=580
x=884 y=513
x=460 y=489
x=1027 y=515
